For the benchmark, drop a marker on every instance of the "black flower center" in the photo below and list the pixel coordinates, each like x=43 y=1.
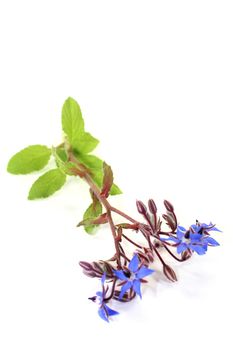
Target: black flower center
x=127 y=274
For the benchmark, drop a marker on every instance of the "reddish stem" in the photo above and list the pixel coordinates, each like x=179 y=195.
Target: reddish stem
x=173 y=255
x=132 y=242
x=115 y=210
x=85 y=174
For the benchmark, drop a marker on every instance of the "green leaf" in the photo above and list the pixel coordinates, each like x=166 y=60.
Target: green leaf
x=29 y=159
x=61 y=153
x=73 y=127
x=90 y=161
x=93 y=211
x=115 y=190
x=86 y=143
x=47 y=184
x=72 y=121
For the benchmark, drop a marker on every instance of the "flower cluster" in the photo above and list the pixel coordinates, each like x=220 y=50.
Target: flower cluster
x=121 y=277
x=131 y=277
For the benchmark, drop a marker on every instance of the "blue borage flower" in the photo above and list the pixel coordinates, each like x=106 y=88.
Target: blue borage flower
x=196 y=238
x=104 y=311
x=132 y=277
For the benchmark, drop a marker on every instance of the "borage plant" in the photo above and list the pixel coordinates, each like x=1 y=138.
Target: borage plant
x=121 y=276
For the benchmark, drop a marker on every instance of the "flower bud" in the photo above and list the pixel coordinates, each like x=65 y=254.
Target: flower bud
x=85 y=265
x=149 y=254
x=170 y=220
x=152 y=206
x=143 y=257
x=168 y=206
x=90 y=274
x=141 y=207
x=169 y=273
x=97 y=269
x=186 y=255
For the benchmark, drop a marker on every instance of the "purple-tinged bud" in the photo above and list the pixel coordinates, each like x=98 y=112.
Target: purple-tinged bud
x=85 y=265
x=89 y=270
x=90 y=274
x=97 y=266
x=97 y=269
x=107 y=268
x=152 y=206
x=141 y=207
x=186 y=255
x=144 y=258
x=169 y=273
x=149 y=254
x=170 y=220
x=168 y=206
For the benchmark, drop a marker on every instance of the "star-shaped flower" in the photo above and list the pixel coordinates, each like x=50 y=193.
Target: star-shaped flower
x=196 y=238
x=132 y=276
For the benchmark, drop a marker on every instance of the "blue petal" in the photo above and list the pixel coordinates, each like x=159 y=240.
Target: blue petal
x=174 y=239
x=111 y=312
x=99 y=294
x=210 y=228
x=165 y=239
x=120 y=274
x=195 y=237
x=133 y=265
x=181 y=228
x=137 y=287
x=205 y=246
x=215 y=229
x=103 y=278
x=102 y=314
x=180 y=232
x=124 y=289
x=171 y=238
x=181 y=248
x=196 y=228
x=198 y=249
x=211 y=241
x=143 y=272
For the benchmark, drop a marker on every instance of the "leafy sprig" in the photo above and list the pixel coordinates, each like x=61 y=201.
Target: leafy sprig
x=72 y=157
x=122 y=275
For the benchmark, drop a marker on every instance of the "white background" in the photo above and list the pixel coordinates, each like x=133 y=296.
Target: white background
x=154 y=80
